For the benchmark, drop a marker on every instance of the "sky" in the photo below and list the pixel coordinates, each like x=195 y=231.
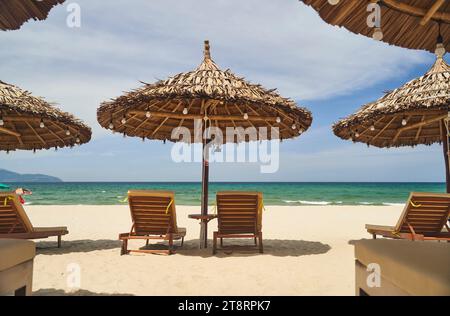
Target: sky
x=280 y=44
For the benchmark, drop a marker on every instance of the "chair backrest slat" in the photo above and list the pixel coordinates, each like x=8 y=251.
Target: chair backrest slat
x=13 y=219
x=426 y=213
x=239 y=212
x=153 y=212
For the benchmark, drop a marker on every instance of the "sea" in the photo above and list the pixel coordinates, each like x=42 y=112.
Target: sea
x=188 y=193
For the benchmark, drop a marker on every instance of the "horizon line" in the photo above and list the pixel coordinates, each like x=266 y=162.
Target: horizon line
x=226 y=181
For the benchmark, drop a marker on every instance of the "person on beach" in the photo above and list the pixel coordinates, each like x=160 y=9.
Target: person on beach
x=21 y=192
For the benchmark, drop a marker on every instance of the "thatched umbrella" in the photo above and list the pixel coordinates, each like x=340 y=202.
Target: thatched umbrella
x=407 y=23
x=416 y=113
x=14 y=13
x=30 y=123
x=208 y=95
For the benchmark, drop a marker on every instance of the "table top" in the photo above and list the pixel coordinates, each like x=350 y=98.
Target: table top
x=202 y=217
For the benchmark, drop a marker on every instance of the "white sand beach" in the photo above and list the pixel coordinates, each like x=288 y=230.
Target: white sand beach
x=307 y=252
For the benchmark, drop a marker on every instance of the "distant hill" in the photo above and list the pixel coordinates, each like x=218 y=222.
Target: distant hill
x=10 y=176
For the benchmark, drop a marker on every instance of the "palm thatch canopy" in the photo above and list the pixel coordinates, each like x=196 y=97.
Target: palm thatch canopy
x=14 y=13
x=30 y=123
x=208 y=92
x=410 y=115
x=407 y=23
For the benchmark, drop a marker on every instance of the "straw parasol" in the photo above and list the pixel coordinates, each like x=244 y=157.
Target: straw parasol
x=416 y=113
x=14 y=13
x=209 y=95
x=30 y=123
x=407 y=23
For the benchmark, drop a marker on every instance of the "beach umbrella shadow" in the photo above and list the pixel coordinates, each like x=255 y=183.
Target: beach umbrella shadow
x=243 y=248
x=60 y=292
x=233 y=247
x=73 y=246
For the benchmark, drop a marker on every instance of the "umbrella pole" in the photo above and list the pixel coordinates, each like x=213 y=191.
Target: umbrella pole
x=445 y=143
x=205 y=183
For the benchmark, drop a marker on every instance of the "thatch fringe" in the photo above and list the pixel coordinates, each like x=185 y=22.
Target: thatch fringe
x=407 y=116
x=14 y=13
x=21 y=117
x=400 y=20
x=206 y=90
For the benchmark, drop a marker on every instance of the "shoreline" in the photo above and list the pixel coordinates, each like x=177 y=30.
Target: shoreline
x=266 y=205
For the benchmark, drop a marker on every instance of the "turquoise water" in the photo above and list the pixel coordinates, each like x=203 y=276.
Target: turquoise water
x=284 y=193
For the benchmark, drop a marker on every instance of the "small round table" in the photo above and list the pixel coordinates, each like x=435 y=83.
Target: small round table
x=204 y=219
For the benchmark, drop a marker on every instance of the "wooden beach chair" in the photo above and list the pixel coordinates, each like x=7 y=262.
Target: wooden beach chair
x=15 y=224
x=154 y=217
x=424 y=218
x=239 y=215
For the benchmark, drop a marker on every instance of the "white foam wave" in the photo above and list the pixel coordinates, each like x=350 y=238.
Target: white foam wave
x=315 y=202
x=393 y=204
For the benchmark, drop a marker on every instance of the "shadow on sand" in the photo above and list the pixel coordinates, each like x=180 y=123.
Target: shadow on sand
x=56 y=292
x=273 y=247
x=73 y=246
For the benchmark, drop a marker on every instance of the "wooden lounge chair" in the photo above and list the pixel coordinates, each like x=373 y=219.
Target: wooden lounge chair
x=154 y=217
x=239 y=215
x=15 y=224
x=424 y=218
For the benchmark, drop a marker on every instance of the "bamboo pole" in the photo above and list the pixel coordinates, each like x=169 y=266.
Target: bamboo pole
x=412 y=10
x=205 y=184
x=9 y=132
x=434 y=8
x=211 y=117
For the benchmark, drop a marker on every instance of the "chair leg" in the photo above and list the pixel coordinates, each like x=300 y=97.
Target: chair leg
x=182 y=241
x=170 y=244
x=261 y=248
x=124 y=249
x=374 y=236
x=221 y=242
x=146 y=243
x=59 y=241
x=214 y=250
x=256 y=242
x=21 y=292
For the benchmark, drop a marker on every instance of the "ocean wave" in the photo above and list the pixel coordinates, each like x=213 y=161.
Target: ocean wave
x=315 y=202
x=308 y=202
x=28 y=203
x=394 y=204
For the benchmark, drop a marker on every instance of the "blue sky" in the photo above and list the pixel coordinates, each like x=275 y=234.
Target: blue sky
x=281 y=44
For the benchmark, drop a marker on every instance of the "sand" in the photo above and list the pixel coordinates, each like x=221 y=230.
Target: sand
x=307 y=252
